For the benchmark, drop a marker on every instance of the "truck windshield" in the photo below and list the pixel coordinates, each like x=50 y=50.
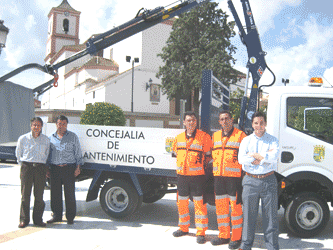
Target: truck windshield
x=313 y=116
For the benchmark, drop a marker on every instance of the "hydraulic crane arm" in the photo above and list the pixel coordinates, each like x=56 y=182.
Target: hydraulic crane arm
x=256 y=62
x=142 y=21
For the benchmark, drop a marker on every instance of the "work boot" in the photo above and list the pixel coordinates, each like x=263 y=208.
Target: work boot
x=53 y=220
x=219 y=241
x=235 y=244
x=179 y=233
x=201 y=239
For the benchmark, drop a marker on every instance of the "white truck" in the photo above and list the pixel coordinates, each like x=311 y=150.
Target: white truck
x=306 y=154
x=134 y=165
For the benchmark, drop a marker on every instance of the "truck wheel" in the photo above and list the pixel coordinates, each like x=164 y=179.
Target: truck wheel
x=307 y=214
x=119 y=198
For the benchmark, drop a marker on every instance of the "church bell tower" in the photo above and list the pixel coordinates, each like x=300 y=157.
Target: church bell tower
x=63 y=28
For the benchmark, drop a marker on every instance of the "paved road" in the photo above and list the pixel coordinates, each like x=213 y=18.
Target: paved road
x=150 y=227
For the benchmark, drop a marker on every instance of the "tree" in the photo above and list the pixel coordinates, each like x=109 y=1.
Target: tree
x=103 y=113
x=235 y=103
x=199 y=40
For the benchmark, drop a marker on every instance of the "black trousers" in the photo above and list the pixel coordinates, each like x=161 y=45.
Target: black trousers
x=32 y=174
x=63 y=175
x=190 y=185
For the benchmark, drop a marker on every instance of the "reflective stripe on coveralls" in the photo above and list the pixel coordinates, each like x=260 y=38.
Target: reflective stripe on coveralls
x=184 y=213
x=201 y=218
x=223 y=219
x=225 y=153
x=190 y=163
x=225 y=164
x=191 y=153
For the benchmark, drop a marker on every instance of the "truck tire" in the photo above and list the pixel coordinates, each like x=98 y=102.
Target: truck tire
x=307 y=214
x=119 y=198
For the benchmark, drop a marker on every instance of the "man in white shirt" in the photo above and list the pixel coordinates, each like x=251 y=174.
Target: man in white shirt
x=258 y=154
x=32 y=152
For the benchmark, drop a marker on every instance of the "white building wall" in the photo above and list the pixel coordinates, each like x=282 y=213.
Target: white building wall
x=119 y=92
x=48 y=47
x=153 y=40
x=73 y=120
x=99 y=96
x=70 y=83
x=76 y=63
x=50 y=30
x=81 y=97
x=98 y=74
x=62 y=42
x=149 y=123
x=240 y=84
x=50 y=25
x=131 y=46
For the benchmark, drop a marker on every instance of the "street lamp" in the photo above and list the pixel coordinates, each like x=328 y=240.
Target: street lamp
x=3 y=35
x=135 y=60
x=149 y=84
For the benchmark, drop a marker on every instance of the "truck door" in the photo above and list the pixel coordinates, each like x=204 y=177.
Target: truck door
x=306 y=133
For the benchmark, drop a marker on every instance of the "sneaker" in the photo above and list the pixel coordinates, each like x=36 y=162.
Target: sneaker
x=219 y=241
x=235 y=244
x=179 y=233
x=201 y=239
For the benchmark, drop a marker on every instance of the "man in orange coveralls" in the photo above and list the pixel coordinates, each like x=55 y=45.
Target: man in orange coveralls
x=192 y=148
x=227 y=181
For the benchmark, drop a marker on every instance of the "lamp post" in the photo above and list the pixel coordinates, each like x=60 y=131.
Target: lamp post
x=3 y=35
x=135 y=60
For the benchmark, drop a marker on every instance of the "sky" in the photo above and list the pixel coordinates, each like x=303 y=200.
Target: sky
x=296 y=34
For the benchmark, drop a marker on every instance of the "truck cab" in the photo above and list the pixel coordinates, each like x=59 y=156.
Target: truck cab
x=302 y=119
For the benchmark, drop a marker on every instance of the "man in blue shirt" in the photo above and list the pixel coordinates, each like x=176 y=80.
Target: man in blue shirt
x=258 y=153
x=32 y=152
x=65 y=161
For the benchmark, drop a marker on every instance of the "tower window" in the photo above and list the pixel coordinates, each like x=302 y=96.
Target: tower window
x=65 y=25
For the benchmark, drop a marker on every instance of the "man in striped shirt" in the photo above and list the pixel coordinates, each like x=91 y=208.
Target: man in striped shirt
x=32 y=152
x=65 y=160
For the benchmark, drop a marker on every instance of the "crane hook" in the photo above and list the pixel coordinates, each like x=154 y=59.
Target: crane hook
x=56 y=77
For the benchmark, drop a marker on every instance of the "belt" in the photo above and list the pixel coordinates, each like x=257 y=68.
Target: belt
x=259 y=176
x=63 y=165
x=34 y=164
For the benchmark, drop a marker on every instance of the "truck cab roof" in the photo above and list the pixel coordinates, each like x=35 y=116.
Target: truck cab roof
x=279 y=90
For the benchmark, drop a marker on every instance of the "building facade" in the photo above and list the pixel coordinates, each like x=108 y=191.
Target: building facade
x=97 y=78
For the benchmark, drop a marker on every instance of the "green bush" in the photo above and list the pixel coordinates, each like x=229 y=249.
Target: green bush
x=103 y=113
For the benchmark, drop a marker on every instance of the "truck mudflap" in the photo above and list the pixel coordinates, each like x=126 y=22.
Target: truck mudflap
x=95 y=186
x=283 y=182
x=136 y=183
